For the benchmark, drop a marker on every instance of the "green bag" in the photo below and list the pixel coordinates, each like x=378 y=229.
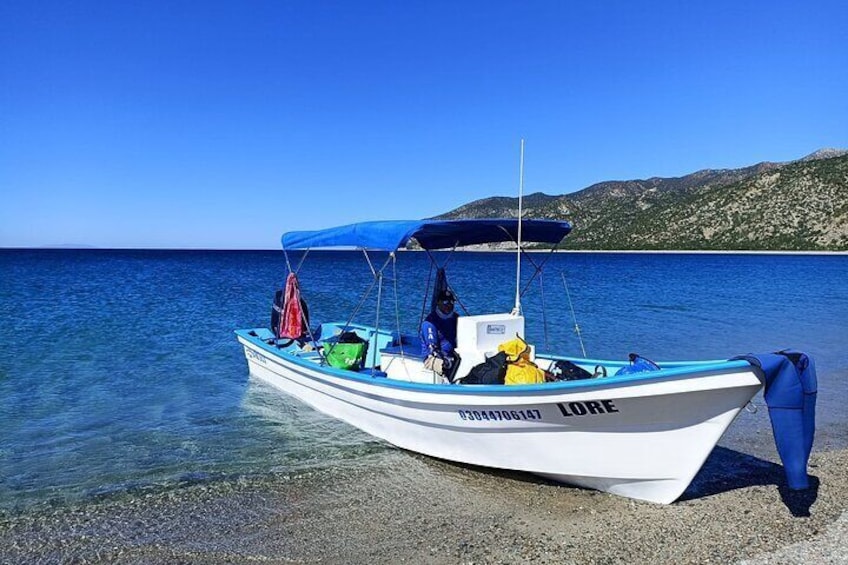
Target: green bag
x=346 y=355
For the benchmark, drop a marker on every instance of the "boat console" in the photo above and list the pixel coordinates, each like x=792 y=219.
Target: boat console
x=478 y=337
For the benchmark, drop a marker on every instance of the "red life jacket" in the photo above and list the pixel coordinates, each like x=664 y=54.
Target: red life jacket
x=291 y=322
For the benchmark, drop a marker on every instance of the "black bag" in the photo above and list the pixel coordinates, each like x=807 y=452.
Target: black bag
x=563 y=370
x=350 y=337
x=277 y=311
x=490 y=372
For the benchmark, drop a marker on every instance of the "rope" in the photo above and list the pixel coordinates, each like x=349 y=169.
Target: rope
x=377 y=320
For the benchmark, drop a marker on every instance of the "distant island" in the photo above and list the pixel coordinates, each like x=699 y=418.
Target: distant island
x=69 y=246
x=794 y=206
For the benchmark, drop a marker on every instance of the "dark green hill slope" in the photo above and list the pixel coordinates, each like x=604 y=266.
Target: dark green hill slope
x=801 y=205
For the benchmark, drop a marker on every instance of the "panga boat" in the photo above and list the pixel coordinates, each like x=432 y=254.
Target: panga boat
x=640 y=434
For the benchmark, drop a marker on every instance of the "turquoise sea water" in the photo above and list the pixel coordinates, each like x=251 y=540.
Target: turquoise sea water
x=119 y=370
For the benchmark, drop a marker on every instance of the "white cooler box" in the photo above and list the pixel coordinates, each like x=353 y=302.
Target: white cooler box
x=478 y=337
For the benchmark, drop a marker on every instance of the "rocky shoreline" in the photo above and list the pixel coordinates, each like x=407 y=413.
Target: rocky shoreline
x=404 y=508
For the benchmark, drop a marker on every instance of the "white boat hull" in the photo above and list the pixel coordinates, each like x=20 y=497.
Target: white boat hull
x=642 y=436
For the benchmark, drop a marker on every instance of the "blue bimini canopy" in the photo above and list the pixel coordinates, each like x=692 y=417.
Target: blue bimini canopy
x=430 y=234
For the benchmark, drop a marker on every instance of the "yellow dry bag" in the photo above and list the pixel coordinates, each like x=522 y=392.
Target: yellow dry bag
x=520 y=370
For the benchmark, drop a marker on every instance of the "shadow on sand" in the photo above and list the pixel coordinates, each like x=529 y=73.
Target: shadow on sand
x=726 y=470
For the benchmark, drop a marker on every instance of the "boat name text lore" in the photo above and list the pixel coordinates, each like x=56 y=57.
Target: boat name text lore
x=568 y=409
x=588 y=407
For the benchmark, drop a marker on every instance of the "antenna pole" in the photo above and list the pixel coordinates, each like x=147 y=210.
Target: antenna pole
x=517 y=309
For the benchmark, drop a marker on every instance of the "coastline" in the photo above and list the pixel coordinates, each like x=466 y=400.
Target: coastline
x=472 y=249
x=468 y=249
x=704 y=252
x=399 y=507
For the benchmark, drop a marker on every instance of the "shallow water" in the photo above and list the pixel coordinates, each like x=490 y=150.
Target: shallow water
x=119 y=370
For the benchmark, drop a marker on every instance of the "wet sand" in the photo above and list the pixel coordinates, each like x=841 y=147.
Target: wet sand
x=399 y=507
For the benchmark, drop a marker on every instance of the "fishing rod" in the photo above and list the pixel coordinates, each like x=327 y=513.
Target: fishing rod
x=573 y=315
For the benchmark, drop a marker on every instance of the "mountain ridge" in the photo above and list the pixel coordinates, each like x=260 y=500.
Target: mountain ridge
x=780 y=206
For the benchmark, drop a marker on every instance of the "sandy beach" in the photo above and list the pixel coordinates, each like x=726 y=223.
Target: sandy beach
x=404 y=508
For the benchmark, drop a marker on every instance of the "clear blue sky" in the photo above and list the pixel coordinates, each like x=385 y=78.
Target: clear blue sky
x=214 y=124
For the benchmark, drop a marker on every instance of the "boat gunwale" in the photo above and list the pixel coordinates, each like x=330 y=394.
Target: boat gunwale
x=686 y=370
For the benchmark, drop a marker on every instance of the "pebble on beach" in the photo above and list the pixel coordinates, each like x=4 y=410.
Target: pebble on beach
x=405 y=508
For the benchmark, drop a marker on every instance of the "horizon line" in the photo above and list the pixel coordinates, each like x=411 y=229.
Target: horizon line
x=558 y=250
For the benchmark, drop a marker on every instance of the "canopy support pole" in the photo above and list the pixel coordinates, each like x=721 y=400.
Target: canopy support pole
x=397 y=306
x=295 y=270
x=377 y=276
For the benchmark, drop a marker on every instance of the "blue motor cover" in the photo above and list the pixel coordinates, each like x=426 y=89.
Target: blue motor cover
x=790 y=394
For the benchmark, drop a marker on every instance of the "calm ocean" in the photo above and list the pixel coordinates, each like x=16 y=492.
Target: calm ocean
x=119 y=370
